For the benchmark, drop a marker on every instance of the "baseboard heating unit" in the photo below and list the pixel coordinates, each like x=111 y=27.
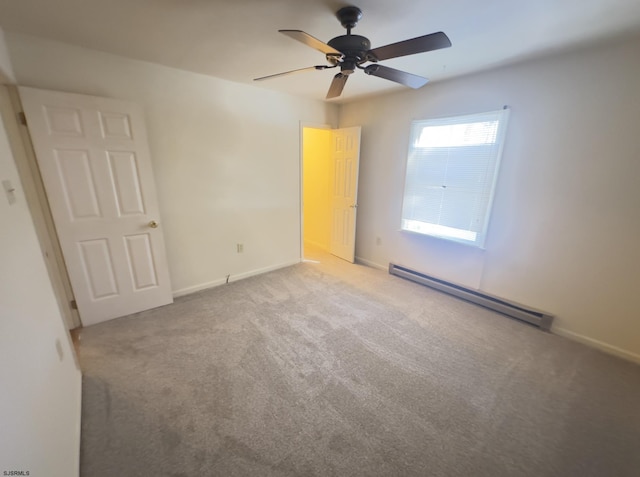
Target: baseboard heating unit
x=533 y=316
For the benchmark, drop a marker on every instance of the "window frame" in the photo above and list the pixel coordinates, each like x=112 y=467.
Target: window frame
x=416 y=129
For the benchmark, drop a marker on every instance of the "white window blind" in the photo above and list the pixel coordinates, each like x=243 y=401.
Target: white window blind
x=452 y=167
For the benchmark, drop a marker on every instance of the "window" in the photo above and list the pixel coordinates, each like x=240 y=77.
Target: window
x=452 y=168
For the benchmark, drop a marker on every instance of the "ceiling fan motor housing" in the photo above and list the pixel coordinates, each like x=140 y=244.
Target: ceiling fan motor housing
x=353 y=47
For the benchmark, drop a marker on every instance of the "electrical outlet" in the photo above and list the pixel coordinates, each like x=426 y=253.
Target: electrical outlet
x=240 y=247
x=378 y=241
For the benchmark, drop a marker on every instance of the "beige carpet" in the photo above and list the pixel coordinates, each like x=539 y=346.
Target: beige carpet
x=332 y=369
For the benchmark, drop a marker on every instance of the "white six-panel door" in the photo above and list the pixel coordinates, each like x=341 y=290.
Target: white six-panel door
x=94 y=160
x=344 y=191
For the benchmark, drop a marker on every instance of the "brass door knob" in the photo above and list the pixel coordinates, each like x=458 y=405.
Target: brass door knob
x=153 y=224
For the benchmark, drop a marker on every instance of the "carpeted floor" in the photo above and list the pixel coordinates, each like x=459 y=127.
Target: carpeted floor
x=332 y=369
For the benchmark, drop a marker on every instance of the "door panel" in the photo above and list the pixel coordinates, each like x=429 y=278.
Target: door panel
x=95 y=165
x=124 y=171
x=115 y=125
x=98 y=266
x=63 y=121
x=143 y=267
x=78 y=187
x=346 y=157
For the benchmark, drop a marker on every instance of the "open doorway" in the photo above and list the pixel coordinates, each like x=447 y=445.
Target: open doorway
x=330 y=160
x=316 y=200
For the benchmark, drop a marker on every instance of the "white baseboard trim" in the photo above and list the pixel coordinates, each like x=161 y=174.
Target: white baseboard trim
x=232 y=278
x=200 y=287
x=607 y=348
x=371 y=264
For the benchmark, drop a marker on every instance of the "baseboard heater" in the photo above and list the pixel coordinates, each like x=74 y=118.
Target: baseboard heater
x=535 y=317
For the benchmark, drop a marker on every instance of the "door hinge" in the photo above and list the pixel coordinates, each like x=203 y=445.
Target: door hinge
x=22 y=119
x=74 y=305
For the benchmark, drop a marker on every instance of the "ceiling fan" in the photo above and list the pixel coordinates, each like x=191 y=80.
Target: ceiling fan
x=350 y=52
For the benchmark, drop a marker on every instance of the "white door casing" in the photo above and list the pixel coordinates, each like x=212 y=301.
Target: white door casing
x=344 y=192
x=95 y=164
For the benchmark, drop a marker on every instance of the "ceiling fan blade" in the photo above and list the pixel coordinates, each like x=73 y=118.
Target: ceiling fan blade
x=301 y=70
x=402 y=77
x=337 y=85
x=421 y=44
x=308 y=40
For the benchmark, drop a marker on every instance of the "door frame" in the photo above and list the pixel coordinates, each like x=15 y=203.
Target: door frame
x=303 y=125
x=25 y=158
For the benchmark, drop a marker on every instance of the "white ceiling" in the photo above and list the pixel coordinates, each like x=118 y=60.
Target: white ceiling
x=238 y=39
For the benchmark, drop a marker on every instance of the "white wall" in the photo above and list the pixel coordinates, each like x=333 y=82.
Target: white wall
x=226 y=156
x=565 y=229
x=40 y=383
